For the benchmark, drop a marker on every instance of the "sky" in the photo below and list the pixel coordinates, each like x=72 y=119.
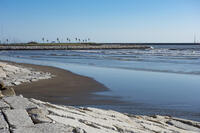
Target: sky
x=135 y=21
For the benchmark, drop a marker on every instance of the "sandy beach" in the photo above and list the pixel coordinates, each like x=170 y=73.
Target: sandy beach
x=64 y=88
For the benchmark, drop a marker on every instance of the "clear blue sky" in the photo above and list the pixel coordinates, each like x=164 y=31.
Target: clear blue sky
x=101 y=20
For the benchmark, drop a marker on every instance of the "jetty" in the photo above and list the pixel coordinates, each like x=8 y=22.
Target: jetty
x=70 y=46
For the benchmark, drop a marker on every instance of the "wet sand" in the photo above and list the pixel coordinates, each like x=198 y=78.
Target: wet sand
x=65 y=88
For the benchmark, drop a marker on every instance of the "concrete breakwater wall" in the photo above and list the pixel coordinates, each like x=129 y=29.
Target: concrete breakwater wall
x=67 y=47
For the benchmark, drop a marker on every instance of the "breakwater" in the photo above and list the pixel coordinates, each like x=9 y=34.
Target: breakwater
x=70 y=47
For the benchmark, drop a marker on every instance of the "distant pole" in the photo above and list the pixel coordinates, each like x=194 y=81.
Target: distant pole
x=7 y=41
x=194 y=38
x=1 y=32
x=43 y=39
x=58 y=40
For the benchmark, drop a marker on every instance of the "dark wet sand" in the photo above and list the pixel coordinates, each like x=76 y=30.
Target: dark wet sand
x=65 y=88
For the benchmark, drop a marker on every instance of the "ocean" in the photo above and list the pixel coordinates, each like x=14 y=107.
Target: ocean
x=163 y=80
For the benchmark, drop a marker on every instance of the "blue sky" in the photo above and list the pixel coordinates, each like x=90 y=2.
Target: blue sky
x=101 y=20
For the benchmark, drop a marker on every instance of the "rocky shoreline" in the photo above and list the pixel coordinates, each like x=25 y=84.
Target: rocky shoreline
x=12 y=75
x=23 y=115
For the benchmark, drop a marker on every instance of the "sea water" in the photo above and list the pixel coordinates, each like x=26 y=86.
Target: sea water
x=164 y=80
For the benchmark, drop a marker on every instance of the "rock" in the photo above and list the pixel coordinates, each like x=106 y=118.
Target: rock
x=33 y=80
x=2 y=85
x=8 y=91
x=50 y=118
x=17 y=102
x=78 y=130
x=183 y=126
x=14 y=75
x=1 y=95
x=3 y=105
x=188 y=122
x=39 y=116
x=3 y=123
x=45 y=128
x=17 y=83
x=18 y=118
x=4 y=131
x=2 y=73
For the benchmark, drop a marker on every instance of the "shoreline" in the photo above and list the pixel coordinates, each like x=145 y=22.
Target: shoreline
x=37 y=116
x=65 y=88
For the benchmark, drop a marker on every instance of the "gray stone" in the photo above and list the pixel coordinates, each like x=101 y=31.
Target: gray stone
x=2 y=85
x=4 y=131
x=1 y=95
x=45 y=128
x=78 y=130
x=17 y=83
x=188 y=122
x=183 y=126
x=8 y=91
x=39 y=115
x=3 y=123
x=13 y=75
x=18 y=118
x=17 y=102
